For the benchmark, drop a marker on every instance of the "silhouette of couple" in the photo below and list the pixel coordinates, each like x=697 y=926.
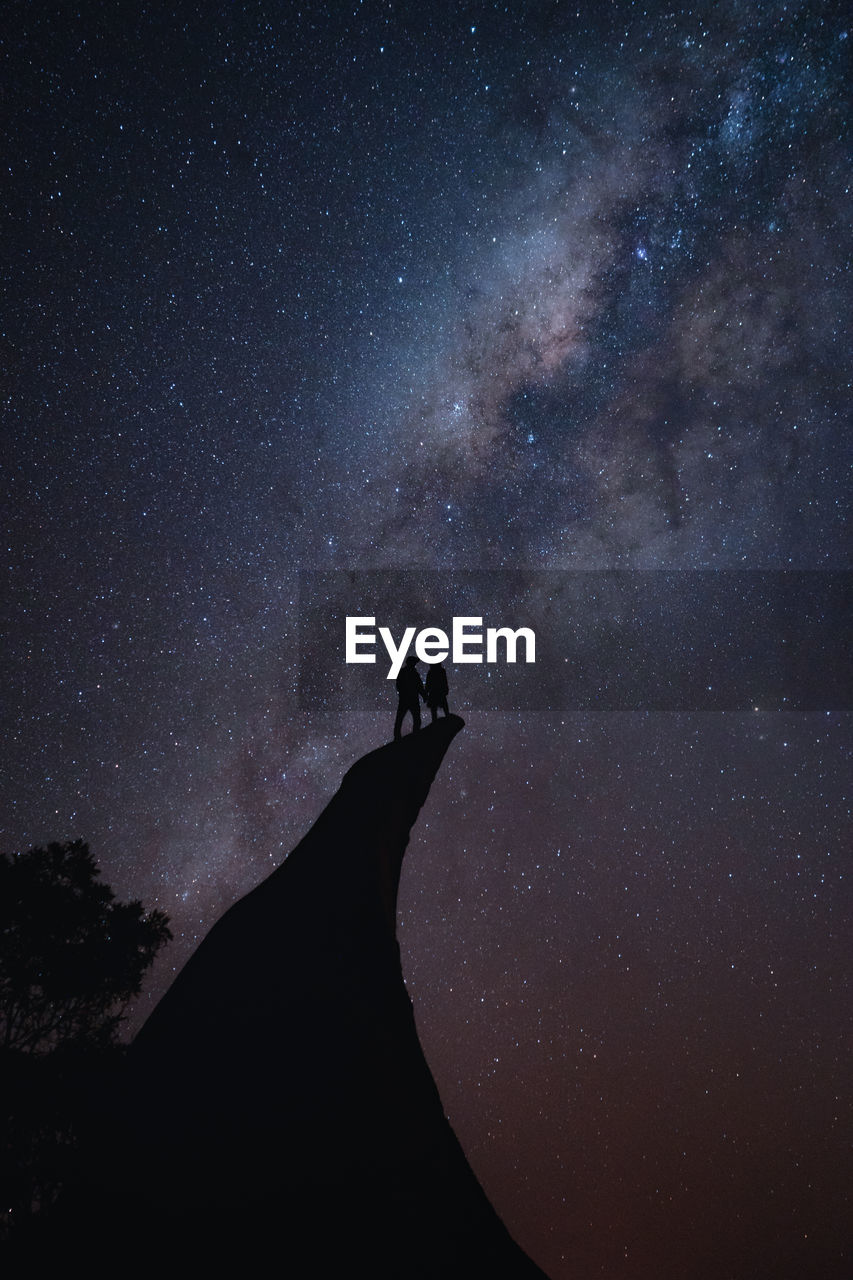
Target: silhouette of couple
x=411 y=689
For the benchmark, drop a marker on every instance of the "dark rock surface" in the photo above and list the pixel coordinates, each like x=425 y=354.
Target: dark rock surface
x=278 y=1099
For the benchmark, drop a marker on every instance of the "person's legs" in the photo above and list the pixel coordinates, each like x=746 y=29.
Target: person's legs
x=402 y=708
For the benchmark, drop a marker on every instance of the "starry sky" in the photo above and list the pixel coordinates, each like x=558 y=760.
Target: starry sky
x=528 y=289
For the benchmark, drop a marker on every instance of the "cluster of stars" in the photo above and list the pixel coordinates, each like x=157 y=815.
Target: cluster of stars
x=508 y=288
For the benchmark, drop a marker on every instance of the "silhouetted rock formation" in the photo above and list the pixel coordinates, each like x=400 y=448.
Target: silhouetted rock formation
x=277 y=1100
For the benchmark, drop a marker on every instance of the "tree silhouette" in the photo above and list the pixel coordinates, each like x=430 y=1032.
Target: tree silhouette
x=71 y=960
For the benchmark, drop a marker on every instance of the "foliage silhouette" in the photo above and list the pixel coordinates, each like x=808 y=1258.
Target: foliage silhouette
x=71 y=960
x=71 y=956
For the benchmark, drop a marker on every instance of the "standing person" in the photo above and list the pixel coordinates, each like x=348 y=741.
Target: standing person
x=410 y=689
x=436 y=690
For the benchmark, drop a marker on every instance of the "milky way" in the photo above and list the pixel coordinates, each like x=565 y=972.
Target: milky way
x=440 y=287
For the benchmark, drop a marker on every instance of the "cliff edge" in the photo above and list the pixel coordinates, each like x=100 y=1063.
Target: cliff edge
x=278 y=1099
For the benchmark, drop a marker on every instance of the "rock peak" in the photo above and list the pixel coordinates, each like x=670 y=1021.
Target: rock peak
x=278 y=1097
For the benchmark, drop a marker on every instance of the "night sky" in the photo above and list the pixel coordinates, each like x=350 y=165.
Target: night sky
x=428 y=286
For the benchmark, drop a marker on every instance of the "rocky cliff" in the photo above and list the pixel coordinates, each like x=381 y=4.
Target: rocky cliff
x=277 y=1100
